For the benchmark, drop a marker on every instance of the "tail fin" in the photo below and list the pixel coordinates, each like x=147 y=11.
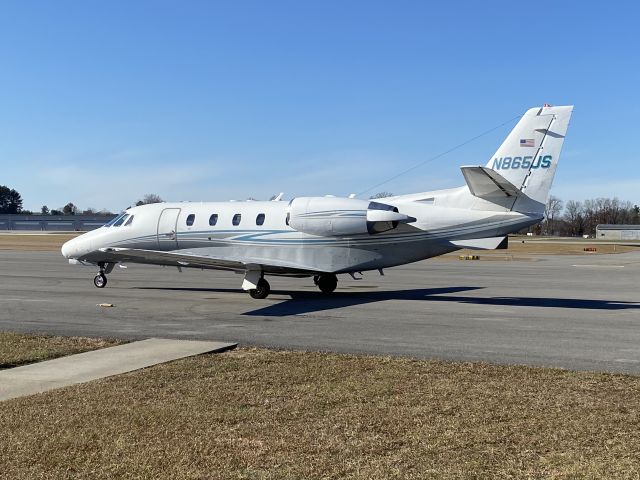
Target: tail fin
x=528 y=158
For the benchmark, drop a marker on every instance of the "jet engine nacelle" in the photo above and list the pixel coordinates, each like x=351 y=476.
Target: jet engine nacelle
x=334 y=216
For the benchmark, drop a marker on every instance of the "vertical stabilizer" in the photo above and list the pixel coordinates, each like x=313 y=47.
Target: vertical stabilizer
x=529 y=156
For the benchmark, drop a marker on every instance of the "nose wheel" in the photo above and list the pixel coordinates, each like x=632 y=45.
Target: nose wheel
x=100 y=280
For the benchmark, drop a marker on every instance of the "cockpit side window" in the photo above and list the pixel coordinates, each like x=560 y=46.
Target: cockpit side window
x=129 y=222
x=121 y=220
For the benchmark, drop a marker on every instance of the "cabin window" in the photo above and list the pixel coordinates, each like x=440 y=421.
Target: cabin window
x=260 y=219
x=288 y=217
x=213 y=219
x=236 y=219
x=120 y=220
x=190 y=219
x=129 y=222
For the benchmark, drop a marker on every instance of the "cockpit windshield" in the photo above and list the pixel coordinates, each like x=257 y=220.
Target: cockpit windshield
x=119 y=220
x=114 y=220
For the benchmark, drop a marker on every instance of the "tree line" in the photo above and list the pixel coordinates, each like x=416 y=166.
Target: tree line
x=576 y=218
x=11 y=203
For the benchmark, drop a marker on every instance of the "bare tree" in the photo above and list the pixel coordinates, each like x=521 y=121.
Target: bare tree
x=574 y=218
x=551 y=212
x=149 y=198
x=381 y=195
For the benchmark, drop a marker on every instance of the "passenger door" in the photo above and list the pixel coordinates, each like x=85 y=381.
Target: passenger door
x=167 y=229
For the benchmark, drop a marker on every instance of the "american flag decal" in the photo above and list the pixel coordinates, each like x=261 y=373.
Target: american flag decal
x=526 y=142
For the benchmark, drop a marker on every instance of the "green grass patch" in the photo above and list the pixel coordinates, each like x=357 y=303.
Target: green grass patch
x=260 y=414
x=18 y=349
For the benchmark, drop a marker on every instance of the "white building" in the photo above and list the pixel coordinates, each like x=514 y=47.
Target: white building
x=617 y=232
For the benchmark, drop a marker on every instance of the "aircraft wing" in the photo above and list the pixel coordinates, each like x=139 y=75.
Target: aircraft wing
x=189 y=259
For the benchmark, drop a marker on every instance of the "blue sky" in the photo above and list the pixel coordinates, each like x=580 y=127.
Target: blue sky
x=102 y=102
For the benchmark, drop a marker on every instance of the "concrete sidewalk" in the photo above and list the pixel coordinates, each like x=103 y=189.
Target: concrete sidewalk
x=84 y=367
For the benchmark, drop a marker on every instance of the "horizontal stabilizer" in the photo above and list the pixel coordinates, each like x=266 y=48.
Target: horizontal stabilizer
x=492 y=243
x=484 y=182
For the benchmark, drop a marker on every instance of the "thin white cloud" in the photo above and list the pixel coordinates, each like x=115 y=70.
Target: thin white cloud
x=116 y=183
x=115 y=180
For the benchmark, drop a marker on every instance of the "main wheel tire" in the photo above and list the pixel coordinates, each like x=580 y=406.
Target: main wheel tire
x=100 y=280
x=262 y=291
x=327 y=283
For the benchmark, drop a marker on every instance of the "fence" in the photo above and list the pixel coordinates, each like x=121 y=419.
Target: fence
x=53 y=223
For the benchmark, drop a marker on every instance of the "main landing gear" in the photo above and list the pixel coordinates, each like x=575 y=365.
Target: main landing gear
x=100 y=280
x=327 y=282
x=261 y=291
x=255 y=284
x=258 y=288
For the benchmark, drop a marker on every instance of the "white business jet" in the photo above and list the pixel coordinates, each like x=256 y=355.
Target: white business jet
x=322 y=237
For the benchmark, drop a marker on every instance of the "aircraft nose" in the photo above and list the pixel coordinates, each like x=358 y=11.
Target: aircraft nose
x=68 y=248
x=76 y=247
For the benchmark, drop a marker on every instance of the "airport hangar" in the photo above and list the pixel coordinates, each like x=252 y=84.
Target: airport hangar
x=617 y=232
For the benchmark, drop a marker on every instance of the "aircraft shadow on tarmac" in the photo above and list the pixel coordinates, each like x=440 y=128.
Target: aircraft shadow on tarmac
x=309 y=302
x=301 y=303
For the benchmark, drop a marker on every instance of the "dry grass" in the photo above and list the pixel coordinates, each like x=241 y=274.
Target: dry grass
x=47 y=243
x=18 y=349
x=259 y=414
x=552 y=247
x=520 y=249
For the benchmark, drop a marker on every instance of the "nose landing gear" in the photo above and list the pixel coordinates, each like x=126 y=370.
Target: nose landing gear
x=100 y=280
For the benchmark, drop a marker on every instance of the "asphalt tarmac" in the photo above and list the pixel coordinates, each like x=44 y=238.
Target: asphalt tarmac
x=576 y=312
